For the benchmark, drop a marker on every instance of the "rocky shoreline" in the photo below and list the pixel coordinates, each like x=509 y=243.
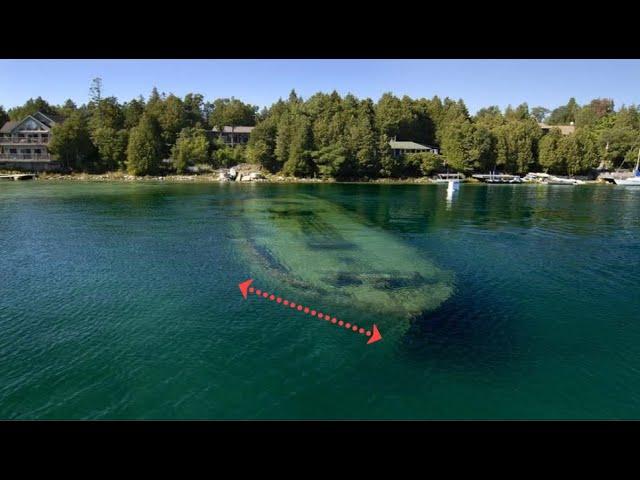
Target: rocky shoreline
x=243 y=173
x=213 y=178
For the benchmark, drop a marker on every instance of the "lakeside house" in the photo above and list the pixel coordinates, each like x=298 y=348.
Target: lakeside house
x=233 y=135
x=401 y=147
x=24 y=143
x=564 y=129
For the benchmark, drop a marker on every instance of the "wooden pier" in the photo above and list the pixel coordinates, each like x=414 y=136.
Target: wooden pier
x=19 y=176
x=497 y=178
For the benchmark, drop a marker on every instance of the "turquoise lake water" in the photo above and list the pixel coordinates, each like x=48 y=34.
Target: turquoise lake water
x=121 y=301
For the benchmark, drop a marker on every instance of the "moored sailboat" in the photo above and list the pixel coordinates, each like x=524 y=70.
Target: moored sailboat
x=635 y=179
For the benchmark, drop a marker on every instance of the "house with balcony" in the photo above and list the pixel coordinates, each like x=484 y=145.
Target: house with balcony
x=24 y=143
x=232 y=135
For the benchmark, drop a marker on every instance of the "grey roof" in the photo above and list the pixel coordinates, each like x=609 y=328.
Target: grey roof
x=396 y=145
x=564 y=129
x=8 y=127
x=48 y=120
x=43 y=119
x=230 y=129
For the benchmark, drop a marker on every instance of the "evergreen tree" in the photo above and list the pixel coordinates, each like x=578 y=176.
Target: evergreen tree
x=363 y=136
x=390 y=166
x=71 y=143
x=111 y=145
x=4 y=116
x=192 y=147
x=145 y=147
x=30 y=107
x=330 y=161
x=300 y=156
x=232 y=112
x=283 y=139
x=172 y=118
x=262 y=145
x=132 y=112
x=67 y=109
x=429 y=162
x=551 y=158
x=194 y=110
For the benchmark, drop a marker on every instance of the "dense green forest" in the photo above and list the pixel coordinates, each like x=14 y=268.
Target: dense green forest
x=328 y=135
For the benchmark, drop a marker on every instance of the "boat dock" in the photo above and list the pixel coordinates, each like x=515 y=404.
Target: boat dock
x=497 y=178
x=19 y=176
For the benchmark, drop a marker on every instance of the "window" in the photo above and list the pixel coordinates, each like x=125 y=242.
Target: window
x=36 y=150
x=26 y=150
x=13 y=150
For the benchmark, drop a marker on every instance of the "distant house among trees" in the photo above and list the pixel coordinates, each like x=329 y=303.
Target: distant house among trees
x=564 y=129
x=399 y=148
x=24 y=143
x=232 y=135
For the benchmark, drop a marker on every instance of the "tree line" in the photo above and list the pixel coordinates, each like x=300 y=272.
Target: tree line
x=334 y=136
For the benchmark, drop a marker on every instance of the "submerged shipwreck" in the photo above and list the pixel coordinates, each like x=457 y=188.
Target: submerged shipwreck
x=318 y=247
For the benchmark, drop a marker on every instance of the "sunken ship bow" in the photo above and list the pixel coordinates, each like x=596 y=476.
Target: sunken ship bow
x=321 y=250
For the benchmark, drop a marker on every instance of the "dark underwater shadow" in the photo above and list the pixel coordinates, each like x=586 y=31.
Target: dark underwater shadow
x=473 y=331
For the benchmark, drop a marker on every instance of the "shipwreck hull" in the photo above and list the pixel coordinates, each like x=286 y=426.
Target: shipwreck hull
x=318 y=248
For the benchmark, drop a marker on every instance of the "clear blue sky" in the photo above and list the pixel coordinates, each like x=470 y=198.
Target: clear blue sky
x=261 y=82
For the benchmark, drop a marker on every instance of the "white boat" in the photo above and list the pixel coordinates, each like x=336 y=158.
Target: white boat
x=635 y=180
x=631 y=181
x=498 y=178
x=562 y=181
x=547 y=179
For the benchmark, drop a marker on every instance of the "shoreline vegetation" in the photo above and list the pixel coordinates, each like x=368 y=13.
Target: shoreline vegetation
x=330 y=137
x=214 y=177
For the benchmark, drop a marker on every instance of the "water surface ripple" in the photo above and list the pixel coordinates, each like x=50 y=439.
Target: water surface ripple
x=121 y=301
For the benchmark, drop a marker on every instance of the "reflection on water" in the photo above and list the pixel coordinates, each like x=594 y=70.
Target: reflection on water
x=315 y=245
x=452 y=190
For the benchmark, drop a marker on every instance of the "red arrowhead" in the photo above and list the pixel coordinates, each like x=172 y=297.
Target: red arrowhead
x=244 y=286
x=375 y=336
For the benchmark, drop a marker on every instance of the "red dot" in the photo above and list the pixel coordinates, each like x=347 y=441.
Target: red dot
x=340 y=323
x=292 y=305
x=348 y=325
x=313 y=312
x=361 y=330
x=327 y=317
x=306 y=309
x=299 y=307
x=319 y=314
x=355 y=328
x=258 y=292
x=278 y=300
x=368 y=333
x=251 y=289
x=334 y=320
x=265 y=294
x=286 y=302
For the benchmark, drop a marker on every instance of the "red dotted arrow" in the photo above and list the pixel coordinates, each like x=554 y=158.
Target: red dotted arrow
x=246 y=289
